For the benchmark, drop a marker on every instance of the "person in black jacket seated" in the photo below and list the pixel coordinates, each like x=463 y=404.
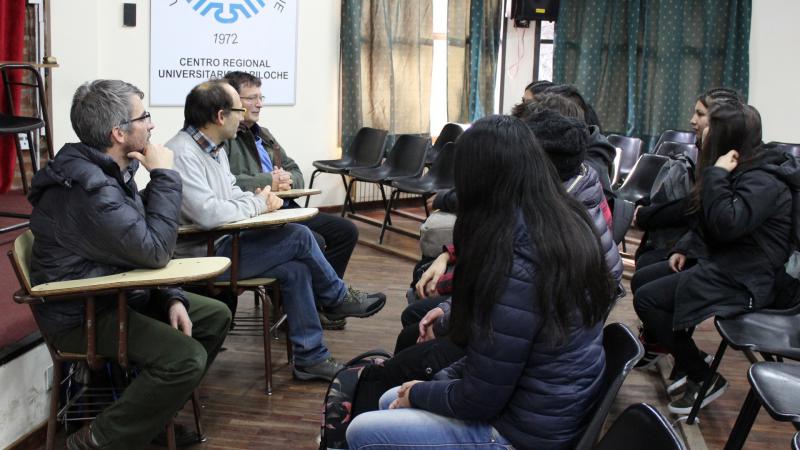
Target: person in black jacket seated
x=90 y=220
x=738 y=244
x=528 y=306
x=665 y=222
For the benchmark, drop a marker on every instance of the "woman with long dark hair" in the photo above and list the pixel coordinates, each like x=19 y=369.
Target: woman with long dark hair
x=740 y=209
x=530 y=293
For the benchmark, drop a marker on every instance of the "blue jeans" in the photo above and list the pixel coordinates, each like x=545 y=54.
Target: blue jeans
x=290 y=254
x=410 y=428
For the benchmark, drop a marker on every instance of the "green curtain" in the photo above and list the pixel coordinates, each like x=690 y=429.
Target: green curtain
x=387 y=57
x=473 y=43
x=642 y=63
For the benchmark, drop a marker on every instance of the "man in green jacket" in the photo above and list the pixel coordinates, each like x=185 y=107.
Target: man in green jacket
x=258 y=160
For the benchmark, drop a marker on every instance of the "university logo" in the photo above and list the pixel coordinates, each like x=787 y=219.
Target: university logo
x=227 y=11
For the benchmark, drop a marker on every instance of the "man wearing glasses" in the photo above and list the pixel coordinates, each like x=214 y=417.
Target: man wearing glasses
x=258 y=160
x=289 y=253
x=89 y=219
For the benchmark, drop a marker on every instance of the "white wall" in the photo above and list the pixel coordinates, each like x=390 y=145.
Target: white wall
x=774 y=67
x=519 y=64
x=23 y=398
x=90 y=42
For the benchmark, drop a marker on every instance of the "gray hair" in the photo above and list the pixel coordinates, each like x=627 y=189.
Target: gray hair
x=98 y=107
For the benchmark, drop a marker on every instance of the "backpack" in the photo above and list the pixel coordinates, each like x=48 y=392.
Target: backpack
x=338 y=406
x=674 y=181
x=436 y=231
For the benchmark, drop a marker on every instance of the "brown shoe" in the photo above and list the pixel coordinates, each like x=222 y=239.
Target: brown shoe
x=81 y=440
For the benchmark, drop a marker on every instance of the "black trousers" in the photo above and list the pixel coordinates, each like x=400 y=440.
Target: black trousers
x=418 y=362
x=654 y=302
x=339 y=237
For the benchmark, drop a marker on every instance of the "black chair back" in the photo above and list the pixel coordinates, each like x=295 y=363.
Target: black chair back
x=687 y=137
x=442 y=171
x=367 y=147
x=670 y=148
x=450 y=132
x=641 y=178
x=631 y=149
x=407 y=157
x=623 y=350
x=641 y=427
x=794 y=149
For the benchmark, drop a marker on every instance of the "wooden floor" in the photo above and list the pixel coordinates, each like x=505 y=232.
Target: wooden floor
x=239 y=415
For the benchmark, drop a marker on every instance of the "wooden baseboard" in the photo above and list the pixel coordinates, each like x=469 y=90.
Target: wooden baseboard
x=34 y=440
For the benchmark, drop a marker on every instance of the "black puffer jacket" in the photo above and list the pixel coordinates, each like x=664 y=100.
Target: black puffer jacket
x=743 y=237
x=535 y=393
x=88 y=222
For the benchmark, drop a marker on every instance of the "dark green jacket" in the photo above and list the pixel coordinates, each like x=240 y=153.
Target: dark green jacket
x=246 y=164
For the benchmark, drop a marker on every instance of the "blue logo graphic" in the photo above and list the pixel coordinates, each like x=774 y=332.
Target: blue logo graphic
x=228 y=11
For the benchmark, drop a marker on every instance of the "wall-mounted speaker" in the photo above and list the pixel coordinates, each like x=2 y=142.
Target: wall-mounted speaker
x=129 y=14
x=522 y=10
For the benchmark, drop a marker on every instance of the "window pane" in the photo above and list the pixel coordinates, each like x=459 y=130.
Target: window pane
x=546 y=62
x=548 y=30
x=440 y=16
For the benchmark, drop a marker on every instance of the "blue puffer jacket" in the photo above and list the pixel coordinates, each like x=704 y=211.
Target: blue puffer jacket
x=535 y=393
x=587 y=189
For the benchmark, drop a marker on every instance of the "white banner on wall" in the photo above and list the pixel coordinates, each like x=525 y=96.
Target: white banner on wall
x=195 y=40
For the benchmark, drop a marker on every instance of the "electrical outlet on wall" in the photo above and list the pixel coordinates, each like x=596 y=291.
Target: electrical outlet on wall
x=23 y=141
x=48 y=378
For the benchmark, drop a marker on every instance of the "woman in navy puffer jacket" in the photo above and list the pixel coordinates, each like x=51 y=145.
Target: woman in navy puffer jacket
x=531 y=290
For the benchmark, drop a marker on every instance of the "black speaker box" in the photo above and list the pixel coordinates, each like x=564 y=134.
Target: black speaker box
x=535 y=10
x=129 y=14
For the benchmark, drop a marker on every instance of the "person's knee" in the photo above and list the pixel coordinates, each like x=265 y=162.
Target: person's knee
x=321 y=243
x=410 y=315
x=221 y=317
x=348 y=231
x=364 y=429
x=189 y=364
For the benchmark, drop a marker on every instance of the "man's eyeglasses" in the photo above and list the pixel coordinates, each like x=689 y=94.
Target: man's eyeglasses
x=253 y=98
x=145 y=117
x=241 y=110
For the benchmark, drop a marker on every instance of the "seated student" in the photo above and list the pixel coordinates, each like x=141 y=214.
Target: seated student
x=529 y=94
x=528 y=306
x=89 y=220
x=737 y=246
x=258 y=160
x=600 y=154
x=555 y=121
x=289 y=253
x=664 y=222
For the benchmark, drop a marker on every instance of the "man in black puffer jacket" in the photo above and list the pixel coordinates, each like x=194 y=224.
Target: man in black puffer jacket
x=89 y=220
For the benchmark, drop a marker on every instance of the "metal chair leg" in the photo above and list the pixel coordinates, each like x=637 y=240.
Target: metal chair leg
x=197 y=408
x=385 y=202
x=706 y=383
x=171 y=435
x=744 y=422
x=347 y=201
x=311 y=185
x=386 y=216
x=267 y=346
